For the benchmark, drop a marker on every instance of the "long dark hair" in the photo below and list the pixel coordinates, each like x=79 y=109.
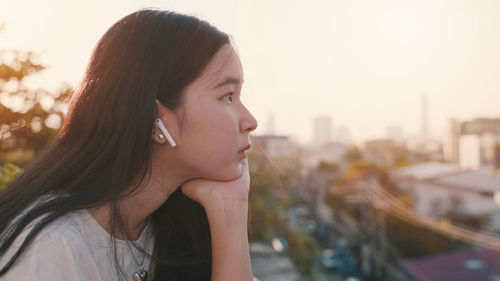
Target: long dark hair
x=105 y=140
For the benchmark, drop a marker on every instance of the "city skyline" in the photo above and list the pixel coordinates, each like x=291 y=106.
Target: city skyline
x=363 y=64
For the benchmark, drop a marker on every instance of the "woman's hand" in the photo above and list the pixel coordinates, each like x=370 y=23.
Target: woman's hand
x=210 y=192
x=226 y=206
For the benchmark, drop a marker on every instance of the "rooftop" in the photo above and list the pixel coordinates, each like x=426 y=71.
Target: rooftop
x=463 y=265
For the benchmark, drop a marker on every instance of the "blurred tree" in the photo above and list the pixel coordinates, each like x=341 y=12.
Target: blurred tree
x=360 y=169
x=300 y=245
x=271 y=186
x=8 y=172
x=352 y=154
x=401 y=162
x=408 y=239
x=324 y=166
x=268 y=196
x=29 y=118
x=414 y=241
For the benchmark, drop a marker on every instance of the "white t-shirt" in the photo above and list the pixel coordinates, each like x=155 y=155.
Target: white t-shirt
x=75 y=247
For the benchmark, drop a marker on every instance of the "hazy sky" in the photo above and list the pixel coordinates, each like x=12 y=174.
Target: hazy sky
x=363 y=63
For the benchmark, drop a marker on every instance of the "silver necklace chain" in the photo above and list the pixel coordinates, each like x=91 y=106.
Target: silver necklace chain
x=123 y=230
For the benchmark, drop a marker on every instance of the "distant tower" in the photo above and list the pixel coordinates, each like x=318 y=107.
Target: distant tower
x=270 y=125
x=425 y=119
x=322 y=130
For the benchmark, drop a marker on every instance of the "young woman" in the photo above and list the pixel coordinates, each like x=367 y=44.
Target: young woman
x=148 y=178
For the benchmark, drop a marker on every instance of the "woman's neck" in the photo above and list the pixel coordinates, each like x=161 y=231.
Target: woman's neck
x=138 y=205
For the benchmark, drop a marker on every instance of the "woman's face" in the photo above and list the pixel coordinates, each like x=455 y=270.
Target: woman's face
x=215 y=123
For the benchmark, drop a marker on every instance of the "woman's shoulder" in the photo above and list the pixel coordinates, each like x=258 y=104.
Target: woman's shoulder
x=73 y=226
x=60 y=250
x=70 y=227
x=64 y=233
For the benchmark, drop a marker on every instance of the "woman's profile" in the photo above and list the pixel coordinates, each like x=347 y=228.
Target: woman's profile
x=148 y=178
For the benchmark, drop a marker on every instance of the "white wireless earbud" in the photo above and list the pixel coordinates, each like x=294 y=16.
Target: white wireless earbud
x=159 y=124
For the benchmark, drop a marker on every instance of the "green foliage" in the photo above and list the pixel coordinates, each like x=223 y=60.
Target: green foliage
x=401 y=163
x=361 y=169
x=338 y=204
x=408 y=239
x=268 y=196
x=352 y=154
x=8 y=172
x=26 y=129
x=324 y=166
x=261 y=219
x=19 y=67
x=300 y=246
x=414 y=241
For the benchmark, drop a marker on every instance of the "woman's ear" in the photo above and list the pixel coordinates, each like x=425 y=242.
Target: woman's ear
x=158 y=136
x=160 y=109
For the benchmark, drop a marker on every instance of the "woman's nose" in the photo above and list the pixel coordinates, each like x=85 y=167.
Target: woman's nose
x=248 y=122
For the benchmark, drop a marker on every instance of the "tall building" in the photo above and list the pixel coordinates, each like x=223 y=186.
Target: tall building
x=477 y=150
x=474 y=143
x=322 y=127
x=481 y=125
x=470 y=152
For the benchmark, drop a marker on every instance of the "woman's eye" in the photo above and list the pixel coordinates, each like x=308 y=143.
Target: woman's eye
x=229 y=96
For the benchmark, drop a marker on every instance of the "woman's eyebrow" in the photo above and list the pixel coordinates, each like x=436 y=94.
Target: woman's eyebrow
x=229 y=80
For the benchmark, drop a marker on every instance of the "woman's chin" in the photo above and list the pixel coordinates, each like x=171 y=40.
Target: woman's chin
x=231 y=173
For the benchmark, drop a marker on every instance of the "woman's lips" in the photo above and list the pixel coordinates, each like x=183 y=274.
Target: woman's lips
x=242 y=153
x=245 y=148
